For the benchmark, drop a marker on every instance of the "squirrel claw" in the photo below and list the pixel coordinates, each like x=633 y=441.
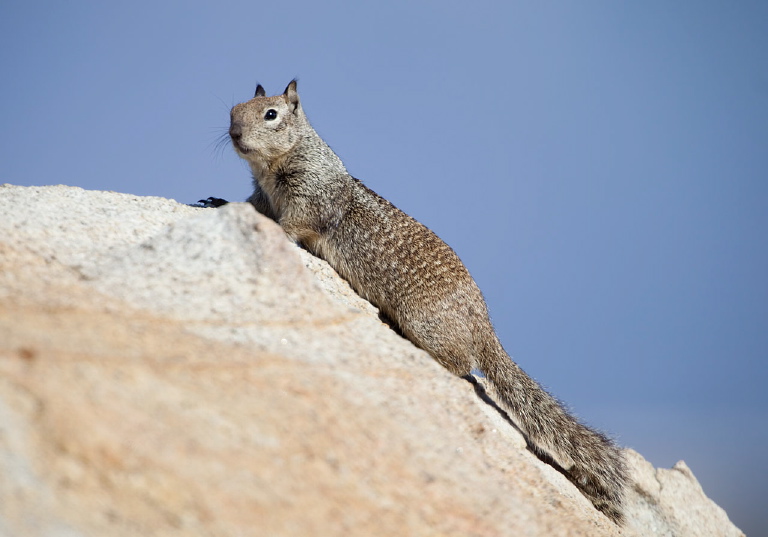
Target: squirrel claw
x=209 y=203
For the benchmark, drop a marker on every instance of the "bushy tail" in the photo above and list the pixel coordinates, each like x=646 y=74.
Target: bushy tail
x=589 y=459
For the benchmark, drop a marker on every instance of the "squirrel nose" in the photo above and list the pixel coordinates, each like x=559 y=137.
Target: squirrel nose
x=236 y=130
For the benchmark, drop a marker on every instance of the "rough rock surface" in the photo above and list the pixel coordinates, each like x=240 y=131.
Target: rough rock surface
x=166 y=370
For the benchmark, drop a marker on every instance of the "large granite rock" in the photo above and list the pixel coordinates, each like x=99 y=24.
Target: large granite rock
x=166 y=370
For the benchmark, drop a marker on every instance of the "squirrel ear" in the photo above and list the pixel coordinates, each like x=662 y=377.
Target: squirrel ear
x=260 y=91
x=291 y=95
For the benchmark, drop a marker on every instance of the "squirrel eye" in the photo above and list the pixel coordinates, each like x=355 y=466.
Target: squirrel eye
x=271 y=114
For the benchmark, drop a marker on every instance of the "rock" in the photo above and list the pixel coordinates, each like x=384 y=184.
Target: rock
x=167 y=370
x=671 y=502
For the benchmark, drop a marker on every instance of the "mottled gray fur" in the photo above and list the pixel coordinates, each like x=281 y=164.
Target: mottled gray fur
x=412 y=276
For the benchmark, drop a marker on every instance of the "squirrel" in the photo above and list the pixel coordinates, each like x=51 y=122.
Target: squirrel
x=415 y=279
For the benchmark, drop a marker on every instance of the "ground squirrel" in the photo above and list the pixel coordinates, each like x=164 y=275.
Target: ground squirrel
x=412 y=276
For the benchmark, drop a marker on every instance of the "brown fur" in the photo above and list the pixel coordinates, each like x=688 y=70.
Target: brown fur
x=413 y=277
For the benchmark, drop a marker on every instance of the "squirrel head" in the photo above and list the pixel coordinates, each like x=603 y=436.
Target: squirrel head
x=265 y=128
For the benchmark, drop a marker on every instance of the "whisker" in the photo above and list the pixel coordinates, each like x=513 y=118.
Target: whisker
x=221 y=141
x=224 y=103
x=219 y=144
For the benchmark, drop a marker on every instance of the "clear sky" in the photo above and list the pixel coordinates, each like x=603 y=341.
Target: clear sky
x=601 y=168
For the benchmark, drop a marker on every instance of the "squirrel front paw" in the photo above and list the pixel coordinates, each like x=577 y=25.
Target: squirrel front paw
x=209 y=203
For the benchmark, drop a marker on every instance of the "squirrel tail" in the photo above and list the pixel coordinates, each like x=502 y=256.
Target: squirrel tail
x=588 y=458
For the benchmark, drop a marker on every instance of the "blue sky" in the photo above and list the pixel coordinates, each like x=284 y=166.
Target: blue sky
x=601 y=168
